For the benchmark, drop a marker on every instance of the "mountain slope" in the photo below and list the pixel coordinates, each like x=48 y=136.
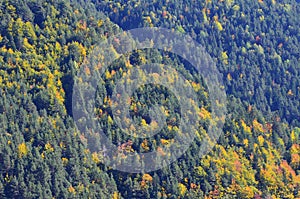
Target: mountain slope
x=256 y=47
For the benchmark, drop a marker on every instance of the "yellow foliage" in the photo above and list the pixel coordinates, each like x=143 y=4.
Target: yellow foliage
x=246 y=128
x=290 y=93
x=80 y=188
x=222 y=150
x=219 y=25
x=143 y=122
x=30 y=30
x=229 y=2
x=109 y=120
x=147 y=177
x=235 y=139
x=128 y=64
x=22 y=149
x=100 y=23
x=49 y=147
x=7 y=178
x=293 y=136
x=72 y=189
x=3 y=49
x=247 y=192
x=58 y=47
x=62 y=145
x=196 y=86
x=295 y=149
x=64 y=161
x=164 y=141
x=295 y=160
x=229 y=77
x=246 y=142
x=59 y=95
x=236 y=7
x=143 y=59
x=268 y=175
x=201 y=171
x=182 y=188
x=12 y=9
x=95 y=158
x=148 y=19
x=224 y=57
x=204 y=16
x=175 y=128
x=261 y=140
x=108 y=75
x=115 y=195
x=204 y=114
x=144 y=145
x=257 y=126
x=10 y=51
x=167 y=112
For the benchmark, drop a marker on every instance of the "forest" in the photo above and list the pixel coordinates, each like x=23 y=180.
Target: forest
x=44 y=152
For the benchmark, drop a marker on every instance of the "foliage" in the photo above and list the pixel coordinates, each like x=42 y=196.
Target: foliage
x=256 y=47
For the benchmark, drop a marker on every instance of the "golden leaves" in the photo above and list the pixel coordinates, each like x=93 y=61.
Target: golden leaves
x=115 y=195
x=182 y=189
x=22 y=149
x=71 y=189
x=48 y=147
x=258 y=126
x=95 y=158
x=224 y=57
x=219 y=25
x=147 y=177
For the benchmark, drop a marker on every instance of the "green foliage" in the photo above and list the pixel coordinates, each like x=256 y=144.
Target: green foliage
x=256 y=45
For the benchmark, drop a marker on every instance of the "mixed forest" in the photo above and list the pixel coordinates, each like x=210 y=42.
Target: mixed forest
x=45 y=43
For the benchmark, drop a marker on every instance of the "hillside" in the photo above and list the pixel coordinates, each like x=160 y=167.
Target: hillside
x=44 y=153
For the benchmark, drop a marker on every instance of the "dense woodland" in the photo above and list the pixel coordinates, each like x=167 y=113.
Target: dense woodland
x=44 y=43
